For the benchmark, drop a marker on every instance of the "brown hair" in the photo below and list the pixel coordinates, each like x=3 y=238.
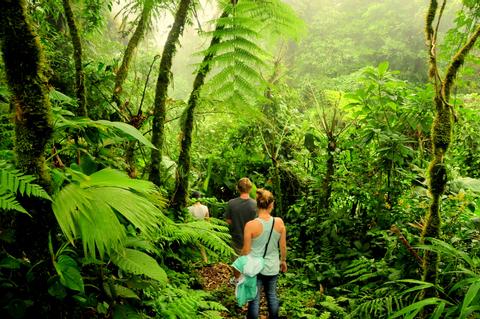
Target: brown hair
x=264 y=198
x=244 y=185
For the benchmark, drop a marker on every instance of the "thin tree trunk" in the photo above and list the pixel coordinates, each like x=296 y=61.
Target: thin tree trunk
x=25 y=67
x=441 y=138
x=181 y=188
x=327 y=182
x=163 y=81
x=77 y=56
x=131 y=46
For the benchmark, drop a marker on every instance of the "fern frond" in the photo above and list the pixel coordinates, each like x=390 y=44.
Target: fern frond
x=182 y=303
x=139 y=263
x=331 y=304
x=212 y=234
x=14 y=181
x=238 y=58
x=9 y=202
x=325 y=315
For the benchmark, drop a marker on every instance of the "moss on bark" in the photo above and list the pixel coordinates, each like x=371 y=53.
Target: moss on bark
x=163 y=81
x=128 y=54
x=24 y=65
x=441 y=136
x=77 y=57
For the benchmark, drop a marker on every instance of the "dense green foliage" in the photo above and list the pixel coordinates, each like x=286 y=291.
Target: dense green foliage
x=326 y=103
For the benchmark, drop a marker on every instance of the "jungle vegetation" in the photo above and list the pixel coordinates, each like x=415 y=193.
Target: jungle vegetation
x=362 y=117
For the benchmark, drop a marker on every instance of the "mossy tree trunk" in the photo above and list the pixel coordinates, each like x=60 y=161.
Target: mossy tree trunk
x=24 y=66
x=77 y=57
x=163 y=81
x=441 y=135
x=179 y=199
x=128 y=54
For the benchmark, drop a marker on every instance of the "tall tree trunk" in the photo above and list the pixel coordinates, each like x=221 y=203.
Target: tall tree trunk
x=77 y=57
x=131 y=46
x=441 y=137
x=24 y=65
x=181 y=188
x=163 y=81
x=327 y=182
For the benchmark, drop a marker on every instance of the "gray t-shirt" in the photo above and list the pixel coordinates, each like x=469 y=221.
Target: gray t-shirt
x=240 y=211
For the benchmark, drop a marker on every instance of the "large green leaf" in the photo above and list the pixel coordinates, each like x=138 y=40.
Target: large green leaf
x=69 y=273
x=139 y=263
x=88 y=209
x=129 y=130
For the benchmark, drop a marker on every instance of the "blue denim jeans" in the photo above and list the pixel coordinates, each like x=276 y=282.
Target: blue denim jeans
x=269 y=283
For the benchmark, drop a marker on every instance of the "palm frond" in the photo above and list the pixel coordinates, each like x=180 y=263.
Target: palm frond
x=88 y=207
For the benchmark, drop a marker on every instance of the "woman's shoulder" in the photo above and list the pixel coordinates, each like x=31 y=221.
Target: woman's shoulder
x=279 y=225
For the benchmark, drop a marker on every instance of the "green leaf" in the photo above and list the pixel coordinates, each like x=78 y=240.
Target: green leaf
x=472 y=293
x=10 y=262
x=129 y=130
x=416 y=307
x=57 y=290
x=124 y=292
x=139 y=263
x=438 y=311
x=69 y=273
x=125 y=312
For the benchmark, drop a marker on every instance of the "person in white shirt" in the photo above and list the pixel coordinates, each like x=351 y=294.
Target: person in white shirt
x=198 y=210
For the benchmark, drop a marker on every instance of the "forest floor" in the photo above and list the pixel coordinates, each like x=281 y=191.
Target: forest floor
x=216 y=279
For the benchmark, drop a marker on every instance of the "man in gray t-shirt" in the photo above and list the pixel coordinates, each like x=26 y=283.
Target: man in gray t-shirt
x=240 y=211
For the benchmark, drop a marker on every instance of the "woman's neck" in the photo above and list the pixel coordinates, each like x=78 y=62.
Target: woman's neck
x=263 y=214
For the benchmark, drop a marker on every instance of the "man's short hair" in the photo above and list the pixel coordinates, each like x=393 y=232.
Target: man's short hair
x=244 y=185
x=196 y=195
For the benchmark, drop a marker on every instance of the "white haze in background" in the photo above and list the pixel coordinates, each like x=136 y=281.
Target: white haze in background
x=190 y=43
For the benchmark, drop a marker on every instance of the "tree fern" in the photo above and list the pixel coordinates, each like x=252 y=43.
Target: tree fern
x=13 y=182
x=238 y=59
